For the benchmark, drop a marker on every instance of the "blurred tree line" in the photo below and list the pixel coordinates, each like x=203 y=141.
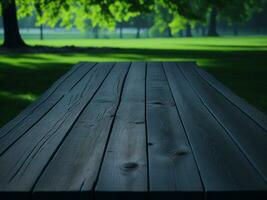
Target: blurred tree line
x=158 y=17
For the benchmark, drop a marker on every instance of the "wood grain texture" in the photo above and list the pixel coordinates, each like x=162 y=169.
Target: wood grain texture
x=135 y=131
x=222 y=166
x=240 y=103
x=124 y=168
x=248 y=136
x=22 y=164
x=76 y=164
x=27 y=119
x=171 y=162
x=11 y=124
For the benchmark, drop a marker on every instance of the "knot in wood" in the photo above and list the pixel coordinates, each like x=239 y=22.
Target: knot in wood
x=179 y=152
x=130 y=165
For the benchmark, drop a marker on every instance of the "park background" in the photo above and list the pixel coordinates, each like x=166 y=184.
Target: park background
x=237 y=56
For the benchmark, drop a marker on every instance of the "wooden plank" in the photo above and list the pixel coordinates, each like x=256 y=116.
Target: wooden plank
x=22 y=164
x=240 y=103
x=247 y=135
x=171 y=162
x=222 y=166
x=75 y=166
x=124 y=168
x=10 y=134
x=7 y=127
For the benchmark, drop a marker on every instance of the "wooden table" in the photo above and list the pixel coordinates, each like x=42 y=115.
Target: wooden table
x=135 y=130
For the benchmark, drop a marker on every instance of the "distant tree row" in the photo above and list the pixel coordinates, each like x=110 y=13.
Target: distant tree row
x=172 y=17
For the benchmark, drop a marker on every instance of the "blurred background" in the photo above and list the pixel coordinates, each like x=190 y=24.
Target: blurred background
x=158 y=22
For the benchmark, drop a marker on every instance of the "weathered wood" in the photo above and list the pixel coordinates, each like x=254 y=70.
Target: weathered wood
x=171 y=162
x=135 y=131
x=76 y=164
x=248 y=136
x=124 y=168
x=246 y=108
x=222 y=166
x=23 y=162
x=28 y=118
x=11 y=124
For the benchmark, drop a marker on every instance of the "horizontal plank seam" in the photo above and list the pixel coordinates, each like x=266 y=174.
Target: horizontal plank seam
x=228 y=133
x=19 y=137
x=182 y=123
x=147 y=154
x=40 y=103
x=109 y=133
x=68 y=131
x=231 y=101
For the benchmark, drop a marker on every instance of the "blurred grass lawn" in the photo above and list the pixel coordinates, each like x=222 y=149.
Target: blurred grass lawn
x=239 y=62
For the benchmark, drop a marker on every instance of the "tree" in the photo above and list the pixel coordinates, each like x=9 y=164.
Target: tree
x=188 y=11
x=12 y=37
x=201 y=10
x=161 y=19
x=140 y=22
x=235 y=15
x=179 y=24
x=167 y=19
x=259 y=21
x=234 y=11
x=64 y=12
x=121 y=12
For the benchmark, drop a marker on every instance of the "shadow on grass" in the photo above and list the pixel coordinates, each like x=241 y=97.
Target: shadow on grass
x=245 y=72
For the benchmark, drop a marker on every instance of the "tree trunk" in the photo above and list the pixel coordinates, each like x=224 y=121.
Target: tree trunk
x=96 y=32
x=121 y=30
x=138 y=32
x=181 y=33
x=235 y=30
x=213 y=23
x=188 y=30
x=197 y=28
x=258 y=30
x=203 y=30
x=169 y=32
x=41 y=32
x=12 y=37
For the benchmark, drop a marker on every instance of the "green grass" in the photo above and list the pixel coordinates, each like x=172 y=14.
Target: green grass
x=240 y=63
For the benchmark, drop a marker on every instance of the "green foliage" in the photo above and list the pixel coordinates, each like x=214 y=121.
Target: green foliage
x=161 y=17
x=233 y=11
x=25 y=8
x=238 y=12
x=104 y=14
x=121 y=11
x=78 y=13
x=190 y=9
x=164 y=19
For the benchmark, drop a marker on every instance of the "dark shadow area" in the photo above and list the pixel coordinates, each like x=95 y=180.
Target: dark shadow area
x=244 y=72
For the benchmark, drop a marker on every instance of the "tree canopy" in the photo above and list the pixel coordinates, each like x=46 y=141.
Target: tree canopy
x=168 y=15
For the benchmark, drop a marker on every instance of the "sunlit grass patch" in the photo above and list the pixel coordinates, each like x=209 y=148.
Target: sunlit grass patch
x=26 y=97
x=198 y=44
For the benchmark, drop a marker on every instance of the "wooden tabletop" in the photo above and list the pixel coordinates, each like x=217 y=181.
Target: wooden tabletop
x=135 y=130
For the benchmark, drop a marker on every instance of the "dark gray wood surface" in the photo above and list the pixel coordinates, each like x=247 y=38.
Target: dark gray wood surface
x=124 y=167
x=157 y=130
x=226 y=113
x=79 y=152
x=168 y=149
x=23 y=162
x=27 y=119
